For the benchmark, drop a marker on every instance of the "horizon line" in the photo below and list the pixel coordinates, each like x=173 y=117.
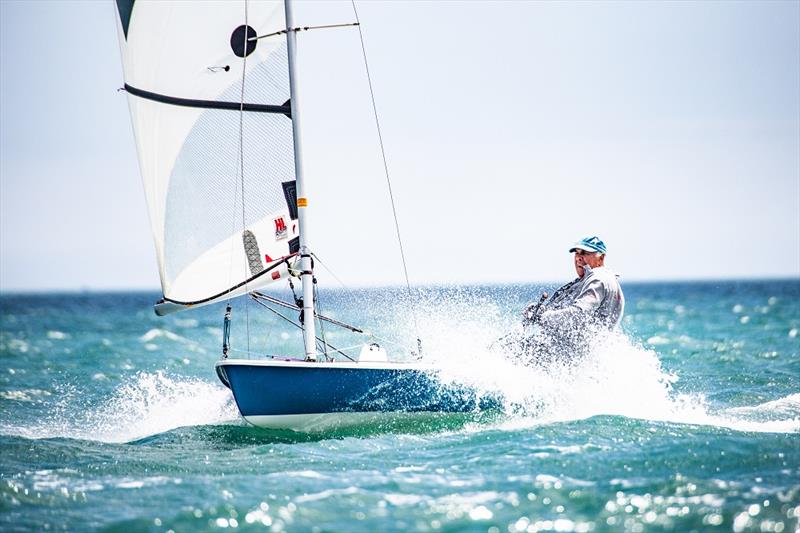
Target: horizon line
x=640 y=281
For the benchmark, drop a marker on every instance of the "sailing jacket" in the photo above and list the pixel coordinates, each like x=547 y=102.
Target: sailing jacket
x=596 y=297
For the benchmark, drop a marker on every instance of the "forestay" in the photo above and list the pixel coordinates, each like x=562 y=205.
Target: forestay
x=212 y=121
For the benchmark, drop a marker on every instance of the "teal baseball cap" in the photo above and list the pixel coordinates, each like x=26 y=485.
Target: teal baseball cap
x=590 y=244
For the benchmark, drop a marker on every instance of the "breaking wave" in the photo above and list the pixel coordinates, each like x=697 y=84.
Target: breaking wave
x=617 y=377
x=146 y=404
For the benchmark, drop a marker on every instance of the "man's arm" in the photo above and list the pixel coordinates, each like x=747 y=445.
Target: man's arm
x=530 y=315
x=584 y=305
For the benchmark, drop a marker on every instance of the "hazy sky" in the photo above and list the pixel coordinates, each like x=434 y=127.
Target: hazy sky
x=512 y=129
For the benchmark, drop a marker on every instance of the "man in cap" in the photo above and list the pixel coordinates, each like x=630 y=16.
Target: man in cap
x=593 y=298
x=565 y=326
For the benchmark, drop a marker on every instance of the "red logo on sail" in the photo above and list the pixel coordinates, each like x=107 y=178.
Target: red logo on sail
x=280 y=229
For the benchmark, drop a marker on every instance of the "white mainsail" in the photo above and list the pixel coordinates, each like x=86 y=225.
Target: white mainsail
x=216 y=159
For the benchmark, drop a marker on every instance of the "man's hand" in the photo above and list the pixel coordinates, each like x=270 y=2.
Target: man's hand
x=531 y=313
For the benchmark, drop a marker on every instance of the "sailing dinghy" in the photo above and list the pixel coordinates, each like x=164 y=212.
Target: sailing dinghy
x=212 y=91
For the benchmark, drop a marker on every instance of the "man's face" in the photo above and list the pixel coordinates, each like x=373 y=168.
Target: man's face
x=582 y=257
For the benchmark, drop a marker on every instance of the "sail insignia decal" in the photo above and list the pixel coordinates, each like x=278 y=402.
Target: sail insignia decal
x=125 y=8
x=290 y=193
x=281 y=231
x=239 y=37
x=208 y=104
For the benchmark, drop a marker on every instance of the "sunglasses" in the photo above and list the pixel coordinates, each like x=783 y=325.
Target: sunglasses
x=583 y=252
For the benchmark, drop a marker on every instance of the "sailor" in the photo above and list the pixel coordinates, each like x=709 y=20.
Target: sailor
x=591 y=303
x=594 y=296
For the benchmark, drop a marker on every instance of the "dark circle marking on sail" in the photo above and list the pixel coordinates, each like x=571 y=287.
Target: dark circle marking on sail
x=238 y=38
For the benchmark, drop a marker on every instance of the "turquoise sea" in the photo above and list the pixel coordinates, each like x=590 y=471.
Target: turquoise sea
x=112 y=419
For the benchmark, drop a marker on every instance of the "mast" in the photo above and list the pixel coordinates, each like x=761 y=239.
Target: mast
x=307 y=275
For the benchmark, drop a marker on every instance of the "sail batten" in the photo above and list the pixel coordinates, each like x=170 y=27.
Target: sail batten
x=213 y=128
x=285 y=109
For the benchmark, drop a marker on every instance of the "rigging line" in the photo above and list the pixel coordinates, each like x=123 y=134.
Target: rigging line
x=396 y=343
x=279 y=357
x=241 y=158
x=295 y=324
x=385 y=164
x=233 y=240
x=303 y=28
x=315 y=256
x=299 y=358
x=321 y=326
x=235 y=200
x=260 y=295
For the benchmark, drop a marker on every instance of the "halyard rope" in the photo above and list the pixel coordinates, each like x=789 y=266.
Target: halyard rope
x=241 y=156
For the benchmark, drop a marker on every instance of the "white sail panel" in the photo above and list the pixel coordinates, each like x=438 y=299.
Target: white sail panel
x=218 y=181
x=170 y=44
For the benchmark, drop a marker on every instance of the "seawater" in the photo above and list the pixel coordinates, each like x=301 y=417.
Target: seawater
x=112 y=419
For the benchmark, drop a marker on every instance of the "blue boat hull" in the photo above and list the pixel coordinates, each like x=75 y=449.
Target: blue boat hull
x=303 y=395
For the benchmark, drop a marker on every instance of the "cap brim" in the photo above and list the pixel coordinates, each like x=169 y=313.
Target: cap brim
x=583 y=247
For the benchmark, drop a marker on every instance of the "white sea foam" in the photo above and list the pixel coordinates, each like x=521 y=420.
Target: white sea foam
x=325 y=494
x=26 y=395
x=146 y=404
x=776 y=410
x=619 y=377
x=158 y=332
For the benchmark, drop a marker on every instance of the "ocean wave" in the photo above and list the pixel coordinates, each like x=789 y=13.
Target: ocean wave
x=618 y=377
x=25 y=395
x=156 y=333
x=146 y=404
